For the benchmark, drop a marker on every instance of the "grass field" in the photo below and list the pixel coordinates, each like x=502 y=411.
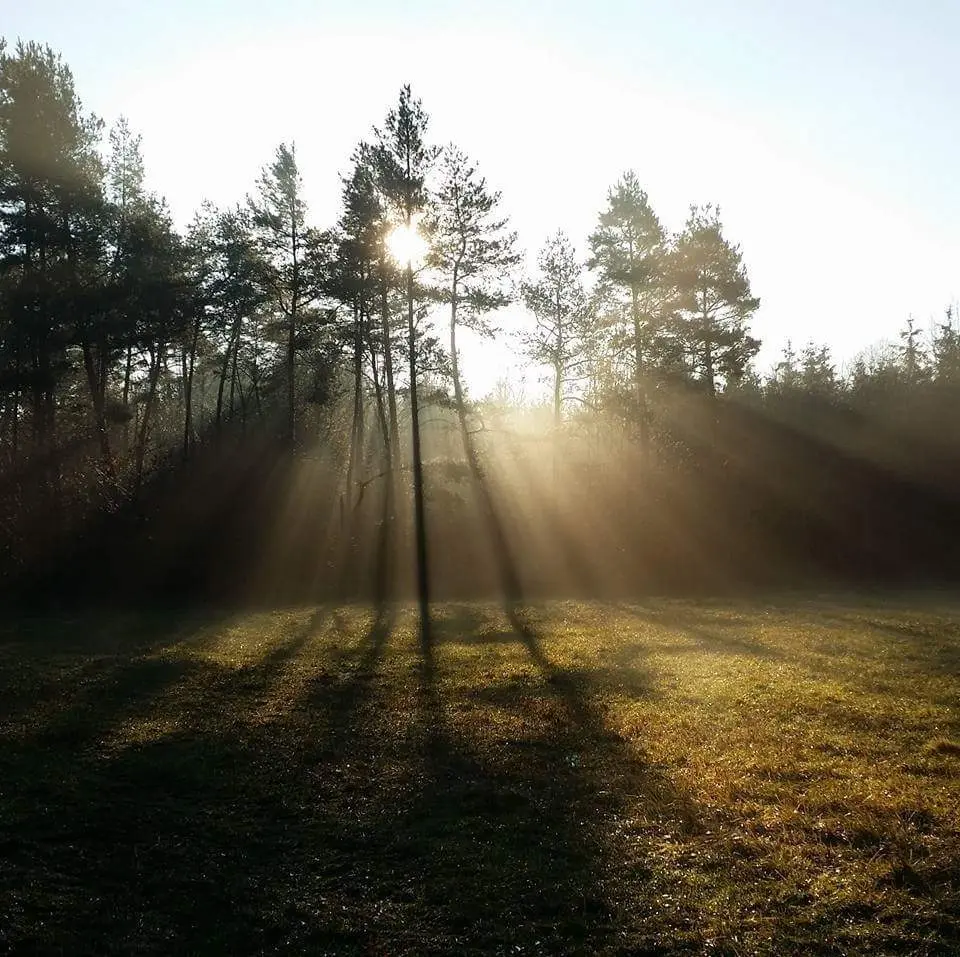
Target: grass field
x=666 y=777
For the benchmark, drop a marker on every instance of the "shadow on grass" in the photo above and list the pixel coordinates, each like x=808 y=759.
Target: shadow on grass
x=370 y=814
x=932 y=639
x=533 y=817
x=469 y=796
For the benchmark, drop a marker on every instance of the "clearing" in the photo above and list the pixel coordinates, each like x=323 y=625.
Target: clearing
x=671 y=776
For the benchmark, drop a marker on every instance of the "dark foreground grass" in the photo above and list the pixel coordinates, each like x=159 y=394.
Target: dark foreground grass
x=659 y=778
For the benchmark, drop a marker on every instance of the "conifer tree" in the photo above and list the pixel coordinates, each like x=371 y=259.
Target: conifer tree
x=628 y=250
x=714 y=299
x=563 y=332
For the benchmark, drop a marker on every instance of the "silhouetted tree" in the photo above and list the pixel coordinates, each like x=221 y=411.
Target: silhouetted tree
x=50 y=200
x=403 y=160
x=818 y=374
x=912 y=353
x=946 y=348
x=279 y=212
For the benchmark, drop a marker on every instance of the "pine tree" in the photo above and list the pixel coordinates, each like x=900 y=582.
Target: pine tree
x=50 y=207
x=473 y=253
x=628 y=250
x=912 y=357
x=279 y=215
x=714 y=299
x=563 y=333
x=946 y=348
x=403 y=161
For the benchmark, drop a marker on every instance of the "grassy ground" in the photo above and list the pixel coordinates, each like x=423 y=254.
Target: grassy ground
x=667 y=777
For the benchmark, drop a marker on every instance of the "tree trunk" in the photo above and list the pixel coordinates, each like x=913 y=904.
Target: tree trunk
x=97 y=398
x=420 y=526
x=378 y=397
x=505 y=564
x=558 y=366
x=188 y=389
x=388 y=364
x=127 y=373
x=642 y=408
x=292 y=342
x=154 y=378
x=356 y=425
x=708 y=369
x=228 y=359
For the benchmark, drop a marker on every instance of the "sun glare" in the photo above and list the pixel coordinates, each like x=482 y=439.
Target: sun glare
x=406 y=245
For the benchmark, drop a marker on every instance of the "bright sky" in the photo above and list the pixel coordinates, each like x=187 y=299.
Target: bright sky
x=826 y=131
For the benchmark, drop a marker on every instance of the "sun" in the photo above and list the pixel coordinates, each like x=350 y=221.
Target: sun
x=406 y=245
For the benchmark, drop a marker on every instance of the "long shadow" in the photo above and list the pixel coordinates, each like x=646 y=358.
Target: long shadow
x=183 y=836
x=548 y=808
x=82 y=675
x=342 y=697
x=494 y=836
x=935 y=645
x=490 y=811
x=587 y=722
x=701 y=629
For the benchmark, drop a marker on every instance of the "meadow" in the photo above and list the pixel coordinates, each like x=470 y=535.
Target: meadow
x=663 y=777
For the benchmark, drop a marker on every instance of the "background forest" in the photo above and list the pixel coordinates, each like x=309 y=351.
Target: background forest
x=239 y=411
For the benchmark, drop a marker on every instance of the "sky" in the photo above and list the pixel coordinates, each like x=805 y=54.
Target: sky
x=826 y=131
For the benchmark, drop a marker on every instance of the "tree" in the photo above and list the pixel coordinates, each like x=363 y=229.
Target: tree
x=404 y=160
x=473 y=253
x=236 y=289
x=818 y=373
x=363 y=278
x=50 y=201
x=811 y=372
x=279 y=213
x=714 y=299
x=164 y=299
x=946 y=348
x=911 y=352
x=563 y=332
x=786 y=373
x=128 y=202
x=628 y=250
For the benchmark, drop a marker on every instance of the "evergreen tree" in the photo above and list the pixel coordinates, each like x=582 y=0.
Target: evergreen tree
x=372 y=279
x=628 y=250
x=714 y=299
x=50 y=204
x=473 y=253
x=912 y=356
x=279 y=214
x=563 y=333
x=403 y=161
x=818 y=374
x=786 y=374
x=946 y=348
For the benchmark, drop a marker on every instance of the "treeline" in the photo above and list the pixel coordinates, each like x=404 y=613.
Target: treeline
x=167 y=396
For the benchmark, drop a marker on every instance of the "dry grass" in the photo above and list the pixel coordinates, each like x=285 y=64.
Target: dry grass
x=666 y=777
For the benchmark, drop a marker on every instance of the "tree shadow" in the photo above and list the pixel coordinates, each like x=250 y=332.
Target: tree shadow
x=933 y=640
x=379 y=811
x=77 y=674
x=546 y=808
x=702 y=631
